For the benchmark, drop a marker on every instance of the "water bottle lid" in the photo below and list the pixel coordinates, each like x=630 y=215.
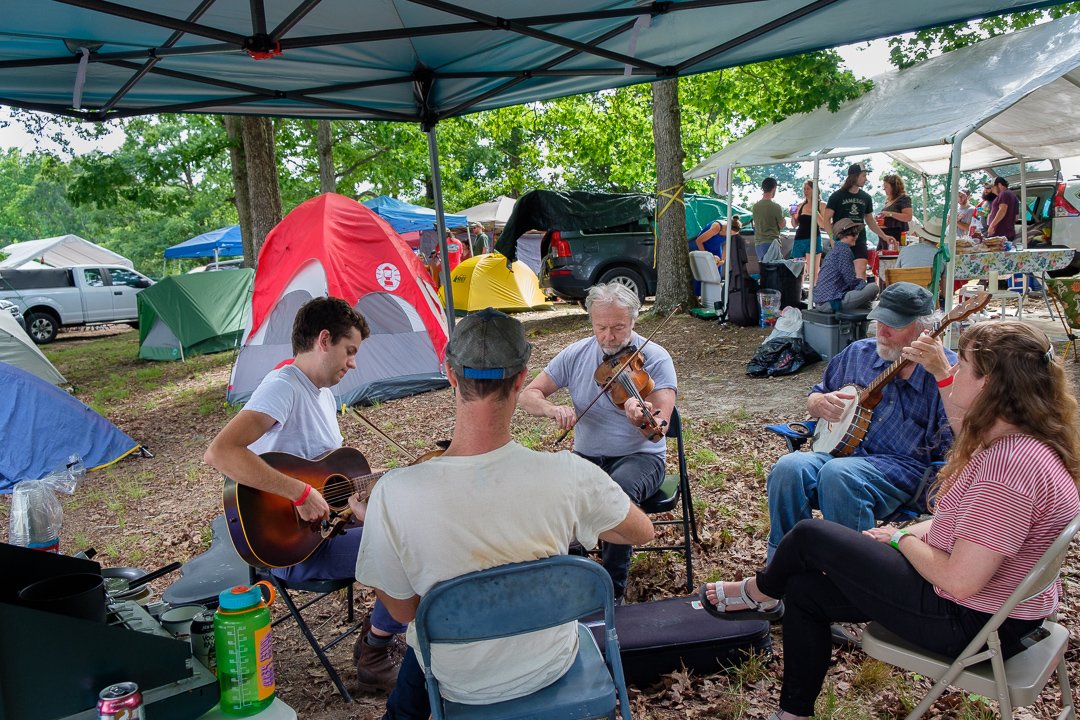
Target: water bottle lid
x=240 y=597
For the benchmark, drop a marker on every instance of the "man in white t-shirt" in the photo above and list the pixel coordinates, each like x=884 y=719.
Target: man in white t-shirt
x=487 y=501
x=612 y=437
x=293 y=411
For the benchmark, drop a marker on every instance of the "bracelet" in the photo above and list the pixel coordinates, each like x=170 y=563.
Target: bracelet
x=303 y=496
x=895 y=539
x=945 y=383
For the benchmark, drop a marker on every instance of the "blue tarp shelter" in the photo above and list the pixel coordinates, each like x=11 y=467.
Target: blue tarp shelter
x=405 y=217
x=52 y=425
x=223 y=242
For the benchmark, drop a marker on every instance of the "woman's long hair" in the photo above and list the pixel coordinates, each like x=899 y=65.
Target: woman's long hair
x=1025 y=386
x=897 y=184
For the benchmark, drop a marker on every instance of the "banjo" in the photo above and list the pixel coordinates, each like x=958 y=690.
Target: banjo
x=842 y=437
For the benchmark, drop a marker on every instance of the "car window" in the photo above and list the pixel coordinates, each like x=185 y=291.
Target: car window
x=641 y=225
x=125 y=277
x=94 y=277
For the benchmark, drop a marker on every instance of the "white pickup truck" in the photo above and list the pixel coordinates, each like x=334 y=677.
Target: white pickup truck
x=82 y=295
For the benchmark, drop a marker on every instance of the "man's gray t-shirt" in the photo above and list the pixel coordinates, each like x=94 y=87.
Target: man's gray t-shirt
x=604 y=430
x=306 y=416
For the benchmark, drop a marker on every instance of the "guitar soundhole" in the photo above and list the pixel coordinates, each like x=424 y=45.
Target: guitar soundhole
x=337 y=491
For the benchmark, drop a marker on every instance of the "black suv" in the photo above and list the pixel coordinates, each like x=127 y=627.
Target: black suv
x=572 y=261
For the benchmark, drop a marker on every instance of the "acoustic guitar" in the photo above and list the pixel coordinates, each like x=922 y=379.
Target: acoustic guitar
x=267 y=530
x=841 y=438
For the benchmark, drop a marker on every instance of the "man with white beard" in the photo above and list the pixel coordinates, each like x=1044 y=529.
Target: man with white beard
x=909 y=429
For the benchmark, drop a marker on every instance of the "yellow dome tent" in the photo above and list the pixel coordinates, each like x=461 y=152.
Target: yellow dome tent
x=484 y=281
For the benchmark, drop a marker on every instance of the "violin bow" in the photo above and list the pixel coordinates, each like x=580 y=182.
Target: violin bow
x=617 y=373
x=378 y=431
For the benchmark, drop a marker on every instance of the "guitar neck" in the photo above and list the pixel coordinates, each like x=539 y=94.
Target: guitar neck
x=362 y=484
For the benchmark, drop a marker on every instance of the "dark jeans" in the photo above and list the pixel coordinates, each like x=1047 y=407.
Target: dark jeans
x=640 y=476
x=827 y=573
x=409 y=698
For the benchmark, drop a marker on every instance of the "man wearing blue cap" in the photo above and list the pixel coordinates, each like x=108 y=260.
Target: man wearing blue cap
x=487 y=501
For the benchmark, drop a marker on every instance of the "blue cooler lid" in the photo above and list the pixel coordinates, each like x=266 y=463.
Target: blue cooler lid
x=239 y=597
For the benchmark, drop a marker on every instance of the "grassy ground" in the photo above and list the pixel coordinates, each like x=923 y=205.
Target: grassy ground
x=148 y=512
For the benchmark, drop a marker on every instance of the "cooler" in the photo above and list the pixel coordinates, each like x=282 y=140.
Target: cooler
x=829 y=333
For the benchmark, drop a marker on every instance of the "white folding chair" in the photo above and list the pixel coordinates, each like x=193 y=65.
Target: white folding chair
x=1015 y=682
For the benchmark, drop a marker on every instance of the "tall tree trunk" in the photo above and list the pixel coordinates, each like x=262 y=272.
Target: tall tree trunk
x=262 y=176
x=673 y=281
x=241 y=195
x=324 y=133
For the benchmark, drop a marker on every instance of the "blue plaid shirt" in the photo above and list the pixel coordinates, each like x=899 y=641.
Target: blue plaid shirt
x=837 y=274
x=909 y=428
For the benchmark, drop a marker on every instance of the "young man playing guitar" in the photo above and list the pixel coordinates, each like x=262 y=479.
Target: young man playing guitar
x=293 y=411
x=617 y=439
x=909 y=429
x=487 y=501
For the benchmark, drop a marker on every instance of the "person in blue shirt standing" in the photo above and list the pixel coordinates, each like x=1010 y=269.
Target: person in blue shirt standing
x=909 y=430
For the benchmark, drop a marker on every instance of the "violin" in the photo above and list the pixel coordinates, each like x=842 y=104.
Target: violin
x=625 y=377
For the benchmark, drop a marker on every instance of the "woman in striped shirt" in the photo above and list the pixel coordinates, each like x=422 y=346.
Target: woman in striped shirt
x=1008 y=489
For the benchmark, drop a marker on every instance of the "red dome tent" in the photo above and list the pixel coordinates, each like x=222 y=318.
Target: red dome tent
x=332 y=245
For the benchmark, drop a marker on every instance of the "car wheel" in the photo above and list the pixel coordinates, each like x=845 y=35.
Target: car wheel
x=626 y=277
x=42 y=327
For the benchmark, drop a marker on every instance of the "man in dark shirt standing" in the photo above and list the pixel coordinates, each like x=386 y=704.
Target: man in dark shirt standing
x=1003 y=211
x=855 y=204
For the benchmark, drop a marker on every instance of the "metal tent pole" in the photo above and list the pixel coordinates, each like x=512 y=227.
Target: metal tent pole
x=728 y=259
x=815 y=198
x=1023 y=206
x=440 y=225
x=949 y=231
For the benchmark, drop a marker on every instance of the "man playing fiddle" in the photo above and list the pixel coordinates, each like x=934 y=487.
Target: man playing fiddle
x=619 y=440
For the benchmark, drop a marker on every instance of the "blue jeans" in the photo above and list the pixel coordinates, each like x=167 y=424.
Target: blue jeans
x=409 y=699
x=849 y=491
x=335 y=559
x=640 y=475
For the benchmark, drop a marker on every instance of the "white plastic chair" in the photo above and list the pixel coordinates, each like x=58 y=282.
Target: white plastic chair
x=1015 y=682
x=703 y=266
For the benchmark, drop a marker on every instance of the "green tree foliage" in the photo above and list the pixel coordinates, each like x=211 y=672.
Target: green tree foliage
x=907 y=50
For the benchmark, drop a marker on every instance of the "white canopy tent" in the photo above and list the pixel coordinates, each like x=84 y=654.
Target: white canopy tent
x=1009 y=98
x=63 y=251
x=494 y=212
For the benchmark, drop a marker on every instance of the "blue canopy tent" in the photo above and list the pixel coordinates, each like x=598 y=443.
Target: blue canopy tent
x=216 y=243
x=405 y=217
x=406 y=60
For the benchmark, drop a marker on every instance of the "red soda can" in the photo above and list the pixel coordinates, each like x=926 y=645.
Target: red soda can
x=121 y=701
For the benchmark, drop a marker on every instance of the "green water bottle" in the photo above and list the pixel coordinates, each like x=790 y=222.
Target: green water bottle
x=245 y=653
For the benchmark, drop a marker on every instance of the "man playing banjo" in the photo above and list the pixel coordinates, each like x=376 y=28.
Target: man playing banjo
x=908 y=430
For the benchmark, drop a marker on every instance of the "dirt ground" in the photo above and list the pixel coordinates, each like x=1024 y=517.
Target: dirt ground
x=147 y=512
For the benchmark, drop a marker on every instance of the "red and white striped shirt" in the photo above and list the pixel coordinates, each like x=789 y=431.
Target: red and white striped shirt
x=1013 y=498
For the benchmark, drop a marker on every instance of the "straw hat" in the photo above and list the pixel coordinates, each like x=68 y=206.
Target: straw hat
x=931 y=232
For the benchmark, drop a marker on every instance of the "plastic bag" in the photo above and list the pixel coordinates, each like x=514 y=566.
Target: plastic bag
x=788 y=324
x=781 y=356
x=36 y=514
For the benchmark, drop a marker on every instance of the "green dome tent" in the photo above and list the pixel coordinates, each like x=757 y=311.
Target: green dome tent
x=194 y=314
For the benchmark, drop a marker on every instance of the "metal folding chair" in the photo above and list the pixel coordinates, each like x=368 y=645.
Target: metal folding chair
x=980 y=668
x=519 y=598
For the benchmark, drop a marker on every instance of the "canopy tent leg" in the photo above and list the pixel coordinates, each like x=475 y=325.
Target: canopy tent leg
x=728 y=260
x=1023 y=206
x=925 y=197
x=815 y=198
x=440 y=225
x=949 y=234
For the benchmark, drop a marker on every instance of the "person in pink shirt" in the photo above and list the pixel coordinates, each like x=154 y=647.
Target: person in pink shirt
x=1006 y=492
x=454 y=250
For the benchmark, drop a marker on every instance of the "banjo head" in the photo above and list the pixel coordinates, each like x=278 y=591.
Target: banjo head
x=830 y=435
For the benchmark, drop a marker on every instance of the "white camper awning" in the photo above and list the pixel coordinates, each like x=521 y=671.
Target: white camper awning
x=1020 y=91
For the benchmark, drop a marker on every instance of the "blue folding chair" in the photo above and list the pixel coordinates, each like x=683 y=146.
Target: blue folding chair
x=524 y=597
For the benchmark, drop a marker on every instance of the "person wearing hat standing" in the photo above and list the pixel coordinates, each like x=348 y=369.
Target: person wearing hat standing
x=855 y=204
x=487 y=501
x=293 y=411
x=922 y=253
x=614 y=438
x=909 y=430
x=838 y=287
x=480 y=242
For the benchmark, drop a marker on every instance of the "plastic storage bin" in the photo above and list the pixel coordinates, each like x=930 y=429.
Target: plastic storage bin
x=829 y=333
